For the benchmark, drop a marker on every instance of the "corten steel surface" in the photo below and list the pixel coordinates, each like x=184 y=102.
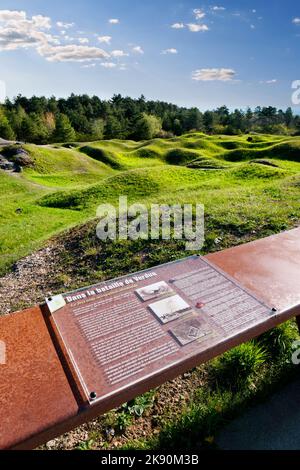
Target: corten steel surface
x=38 y=393
x=34 y=391
x=269 y=267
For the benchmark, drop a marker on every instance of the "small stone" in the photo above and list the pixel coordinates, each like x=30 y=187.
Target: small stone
x=110 y=433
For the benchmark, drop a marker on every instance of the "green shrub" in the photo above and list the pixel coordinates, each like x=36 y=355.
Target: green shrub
x=279 y=341
x=236 y=368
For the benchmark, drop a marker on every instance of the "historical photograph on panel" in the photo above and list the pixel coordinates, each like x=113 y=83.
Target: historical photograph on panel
x=154 y=291
x=190 y=330
x=170 y=309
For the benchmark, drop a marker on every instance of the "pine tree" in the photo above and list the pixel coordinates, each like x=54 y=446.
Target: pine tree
x=147 y=127
x=6 y=131
x=28 y=130
x=64 y=132
x=113 y=128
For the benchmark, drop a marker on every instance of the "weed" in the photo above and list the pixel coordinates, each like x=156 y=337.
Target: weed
x=237 y=367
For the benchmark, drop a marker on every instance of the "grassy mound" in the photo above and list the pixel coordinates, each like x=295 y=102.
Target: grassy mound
x=62 y=168
x=255 y=170
x=204 y=163
x=284 y=151
x=146 y=152
x=101 y=155
x=132 y=184
x=180 y=156
x=264 y=162
x=125 y=156
x=49 y=160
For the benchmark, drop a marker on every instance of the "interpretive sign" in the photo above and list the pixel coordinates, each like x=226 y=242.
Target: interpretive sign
x=119 y=333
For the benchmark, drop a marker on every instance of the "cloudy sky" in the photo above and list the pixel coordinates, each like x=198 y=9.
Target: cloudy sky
x=193 y=53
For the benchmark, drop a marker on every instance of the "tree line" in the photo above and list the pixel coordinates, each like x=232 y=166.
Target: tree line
x=44 y=120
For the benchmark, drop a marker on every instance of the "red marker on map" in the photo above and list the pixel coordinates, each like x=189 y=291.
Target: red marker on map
x=200 y=305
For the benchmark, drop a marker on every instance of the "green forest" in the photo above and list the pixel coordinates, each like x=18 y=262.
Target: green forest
x=42 y=120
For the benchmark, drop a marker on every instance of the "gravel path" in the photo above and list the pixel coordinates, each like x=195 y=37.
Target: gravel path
x=31 y=280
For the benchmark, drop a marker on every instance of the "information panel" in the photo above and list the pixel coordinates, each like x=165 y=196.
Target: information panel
x=121 y=332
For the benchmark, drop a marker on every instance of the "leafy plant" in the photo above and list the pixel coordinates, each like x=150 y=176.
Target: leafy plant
x=139 y=405
x=124 y=420
x=86 y=445
x=278 y=341
x=236 y=368
x=132 y=409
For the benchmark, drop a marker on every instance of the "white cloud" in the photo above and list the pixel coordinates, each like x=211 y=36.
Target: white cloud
x=61 y=24
x=10 y=15
x=104 y=39
x=252 y=26
x=216 y=8
x=17 y=31
x=138 y=50
x=207 y=75
x=199 y=14
x=114 y=21
x=269 y=82
x=195 y=28
x=178 y=26
x=118 y=53
x=172 y=50
x=71 y=53
x=296 y=21
x=109 y=65
x=43 y=22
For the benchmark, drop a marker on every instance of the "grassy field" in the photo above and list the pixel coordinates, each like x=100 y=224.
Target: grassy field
x=247 y=185
x=250 y=189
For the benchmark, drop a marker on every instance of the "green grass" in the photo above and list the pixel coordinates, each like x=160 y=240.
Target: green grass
x=246 y=187
x=61 y=167
x=24 y=226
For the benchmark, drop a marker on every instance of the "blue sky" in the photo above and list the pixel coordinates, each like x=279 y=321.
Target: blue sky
x=193 y=53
